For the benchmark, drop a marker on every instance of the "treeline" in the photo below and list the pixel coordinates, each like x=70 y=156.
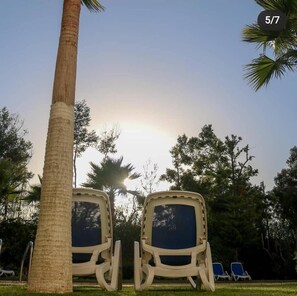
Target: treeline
x=245 y=222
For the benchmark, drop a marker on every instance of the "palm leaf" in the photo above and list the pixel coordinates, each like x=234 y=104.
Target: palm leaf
x=283 y=45
x=286 y=6
x=93 y=5
x=263 y=69
x=254 y=34
x=278 y=41
x=291 y=56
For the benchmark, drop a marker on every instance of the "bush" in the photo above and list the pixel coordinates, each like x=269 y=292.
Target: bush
x=15 y=235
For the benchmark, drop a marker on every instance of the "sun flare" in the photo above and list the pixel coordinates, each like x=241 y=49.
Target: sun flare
x=137 y=144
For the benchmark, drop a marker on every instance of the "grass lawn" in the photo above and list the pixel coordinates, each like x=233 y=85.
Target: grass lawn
x=221 y=290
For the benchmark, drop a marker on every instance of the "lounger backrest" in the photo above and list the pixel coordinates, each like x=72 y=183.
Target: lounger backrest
x=174 y=207
x=236 y=268
x=91 y=220
x=174 y=226
x=174 y=220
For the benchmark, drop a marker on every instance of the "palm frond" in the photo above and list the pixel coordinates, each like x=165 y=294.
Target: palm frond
x=278 y=41
x=93 y=5
x=254 y=34
x=286 y=6
x=283 y=45
x=263 y=69
x=291 y=57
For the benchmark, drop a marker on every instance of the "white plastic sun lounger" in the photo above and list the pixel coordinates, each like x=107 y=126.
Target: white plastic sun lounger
x=92 y=239
x=173 y=240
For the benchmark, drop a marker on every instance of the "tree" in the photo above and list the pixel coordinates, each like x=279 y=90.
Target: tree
x=13 y=144
x=282 y=44
x=220 y=170
x=285 y=191
x=110 y=176
x=15 y=153
x=106 y=141
x=13 y=181
x=149 y=177
x=51 y=270
x=82 y=137
x=285 y=194
x=34 y=193
x=32 y=199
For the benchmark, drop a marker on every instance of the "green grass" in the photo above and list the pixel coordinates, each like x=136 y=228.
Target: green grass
x=221 y=290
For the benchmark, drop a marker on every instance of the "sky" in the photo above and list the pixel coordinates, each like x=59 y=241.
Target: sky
x=156 y=69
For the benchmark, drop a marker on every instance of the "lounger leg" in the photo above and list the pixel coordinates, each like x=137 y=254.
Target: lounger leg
x=137 y=267
x=114 y=267
x=100 y=275
x=140 y=271
x=149 y=276
x=209 y=268
x=116 y=276
x=206 y=272
x=195 y=285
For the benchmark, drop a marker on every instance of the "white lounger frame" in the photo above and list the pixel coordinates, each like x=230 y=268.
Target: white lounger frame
x=201 y=261
x=107 y=273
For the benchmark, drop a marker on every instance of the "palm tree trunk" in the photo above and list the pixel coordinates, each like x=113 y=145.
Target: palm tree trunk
x=51 y=270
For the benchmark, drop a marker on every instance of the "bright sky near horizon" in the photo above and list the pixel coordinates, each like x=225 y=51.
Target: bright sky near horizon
x=157 y=69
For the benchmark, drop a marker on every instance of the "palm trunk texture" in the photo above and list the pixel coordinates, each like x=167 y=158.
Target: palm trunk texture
x=51 y=270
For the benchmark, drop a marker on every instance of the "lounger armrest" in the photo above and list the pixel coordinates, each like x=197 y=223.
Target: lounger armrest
x=157 y=252
x=178 y=252
x=94 y=250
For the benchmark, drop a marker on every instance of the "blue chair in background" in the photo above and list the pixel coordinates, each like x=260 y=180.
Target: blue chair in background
x=219 y=272
x=237 y=272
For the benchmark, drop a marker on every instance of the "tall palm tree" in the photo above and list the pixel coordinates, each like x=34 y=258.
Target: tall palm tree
x=51 y=270
x=110 y=176
x=282 y=45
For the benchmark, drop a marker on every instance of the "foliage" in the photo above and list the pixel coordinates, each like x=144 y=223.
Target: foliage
x=15 y=234
x=15 y=153
x=109 y=176
x=282 y=44
x=285 y=191
x=82 y=137
x=106 y=141
x=127 y=230
x=93 y=5
x=13 y=144
x=149 y=179
x=32 y=198
x=34 y=193
x=221 y=171
x=284 y=195
x=244 y=222
x=208 y=164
